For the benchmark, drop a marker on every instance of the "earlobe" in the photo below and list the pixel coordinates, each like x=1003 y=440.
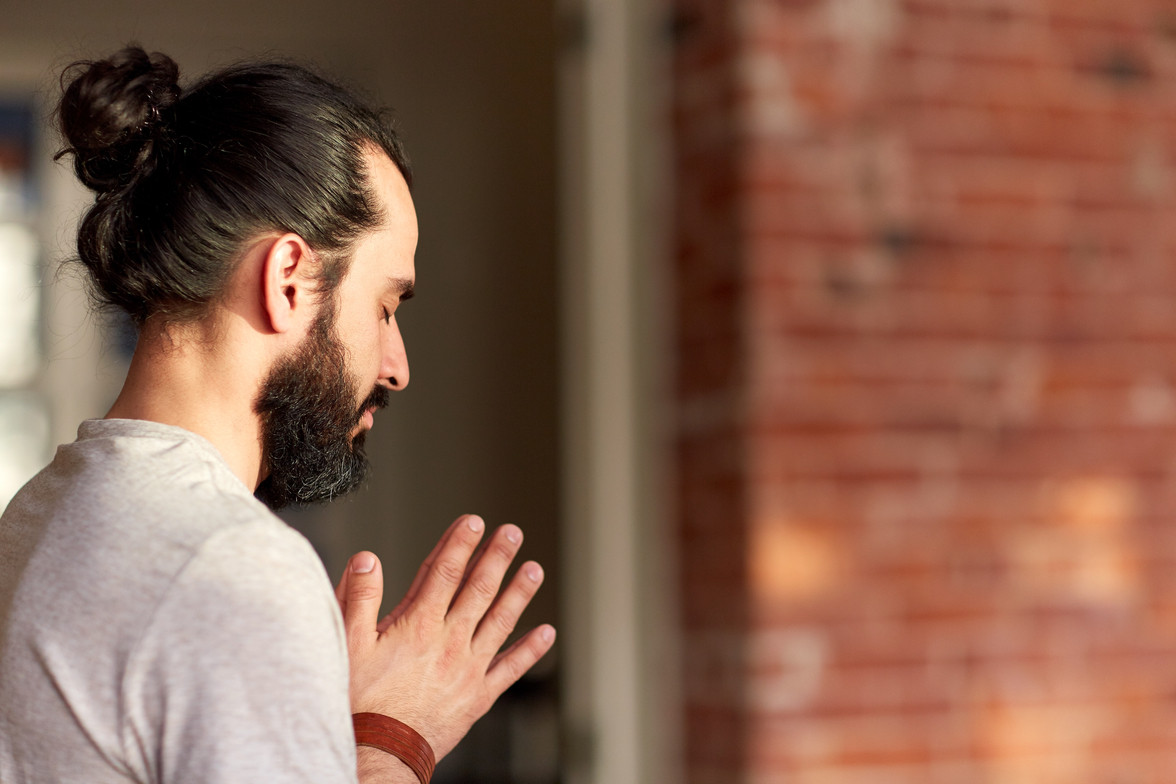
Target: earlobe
x=285 y=281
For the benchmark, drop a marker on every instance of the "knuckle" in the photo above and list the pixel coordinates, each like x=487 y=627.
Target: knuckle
x=504 y=622
x=424 y=632
x=518 y=597
x=504 y=548
x=364 y=593
x=515 y=668
x=525 y=588
x=450 y=658
x=450 y=570
x=484 y=586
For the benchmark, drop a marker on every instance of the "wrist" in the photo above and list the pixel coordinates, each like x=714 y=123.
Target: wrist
x=379 y=767
x=396 y=740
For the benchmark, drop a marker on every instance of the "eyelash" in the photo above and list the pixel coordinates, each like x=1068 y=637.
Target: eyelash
x=387 y=316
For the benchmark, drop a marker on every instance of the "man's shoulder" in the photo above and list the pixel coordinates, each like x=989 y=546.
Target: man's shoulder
x=129 y=506
x=139 y=477
x=141 y=574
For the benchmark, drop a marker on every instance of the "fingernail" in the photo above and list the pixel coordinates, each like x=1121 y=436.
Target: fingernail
x=363 y=563
x=475 y=523
x=513 y=535
x=547 y=634
x=534 y=572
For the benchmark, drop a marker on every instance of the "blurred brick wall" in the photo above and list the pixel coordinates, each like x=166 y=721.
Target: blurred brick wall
x=926 y=380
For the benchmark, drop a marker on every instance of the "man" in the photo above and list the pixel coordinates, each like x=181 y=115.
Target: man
x=157 y=622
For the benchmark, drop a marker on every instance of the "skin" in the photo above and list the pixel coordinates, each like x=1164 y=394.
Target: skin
x=436 y=661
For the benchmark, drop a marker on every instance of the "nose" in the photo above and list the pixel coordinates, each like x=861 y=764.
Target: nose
x=394 y=357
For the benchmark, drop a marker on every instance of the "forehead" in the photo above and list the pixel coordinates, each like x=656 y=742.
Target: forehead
x=387 y=252
x=393 y=195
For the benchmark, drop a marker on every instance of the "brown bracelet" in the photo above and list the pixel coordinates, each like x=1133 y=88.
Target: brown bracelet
x=398 y=739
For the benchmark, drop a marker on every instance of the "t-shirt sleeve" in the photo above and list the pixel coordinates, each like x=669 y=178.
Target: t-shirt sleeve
x=241 y=674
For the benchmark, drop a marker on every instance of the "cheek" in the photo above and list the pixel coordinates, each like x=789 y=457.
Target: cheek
x=362 y=343
x=367 y=355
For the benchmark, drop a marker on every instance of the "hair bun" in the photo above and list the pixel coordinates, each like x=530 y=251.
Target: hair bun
x=112 y=115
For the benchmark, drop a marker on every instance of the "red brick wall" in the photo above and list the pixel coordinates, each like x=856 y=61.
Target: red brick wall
x=926 y=381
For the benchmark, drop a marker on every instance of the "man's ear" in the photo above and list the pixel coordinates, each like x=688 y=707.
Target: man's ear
x=287 y=282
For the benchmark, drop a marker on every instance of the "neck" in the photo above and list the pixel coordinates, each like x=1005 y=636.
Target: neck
x=202 y=388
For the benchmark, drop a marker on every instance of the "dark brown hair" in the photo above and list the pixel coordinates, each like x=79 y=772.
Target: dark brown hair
x=186 y=177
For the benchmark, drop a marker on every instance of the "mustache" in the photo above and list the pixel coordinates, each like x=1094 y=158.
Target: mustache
x=377 y=399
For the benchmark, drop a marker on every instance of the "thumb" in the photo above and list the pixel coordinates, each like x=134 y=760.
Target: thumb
x=360 y=592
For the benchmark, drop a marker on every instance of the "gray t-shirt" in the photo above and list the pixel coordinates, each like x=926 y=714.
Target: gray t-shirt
x=159 y=624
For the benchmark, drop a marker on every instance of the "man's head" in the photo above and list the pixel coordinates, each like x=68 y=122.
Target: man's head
x=187 y=177
x=317 y=401
x=192 y=181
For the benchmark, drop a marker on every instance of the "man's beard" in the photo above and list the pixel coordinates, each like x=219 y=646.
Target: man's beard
x=307 y=411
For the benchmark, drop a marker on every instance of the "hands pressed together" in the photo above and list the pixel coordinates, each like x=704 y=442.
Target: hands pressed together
x=436 y=662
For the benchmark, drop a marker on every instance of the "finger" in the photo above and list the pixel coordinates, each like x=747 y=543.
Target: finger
x=362 y=591
x=341 y=589
x=480 y=589
x=432 y=556
x=501 y=619
x=415 y=587
x=510 y=665
x=447 y=569
x=475 y=559
x=512 y=532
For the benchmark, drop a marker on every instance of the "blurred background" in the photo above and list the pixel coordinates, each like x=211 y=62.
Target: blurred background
x=824 y=349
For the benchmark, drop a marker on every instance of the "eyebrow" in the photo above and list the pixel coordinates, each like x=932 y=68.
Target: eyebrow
x=405 y=287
